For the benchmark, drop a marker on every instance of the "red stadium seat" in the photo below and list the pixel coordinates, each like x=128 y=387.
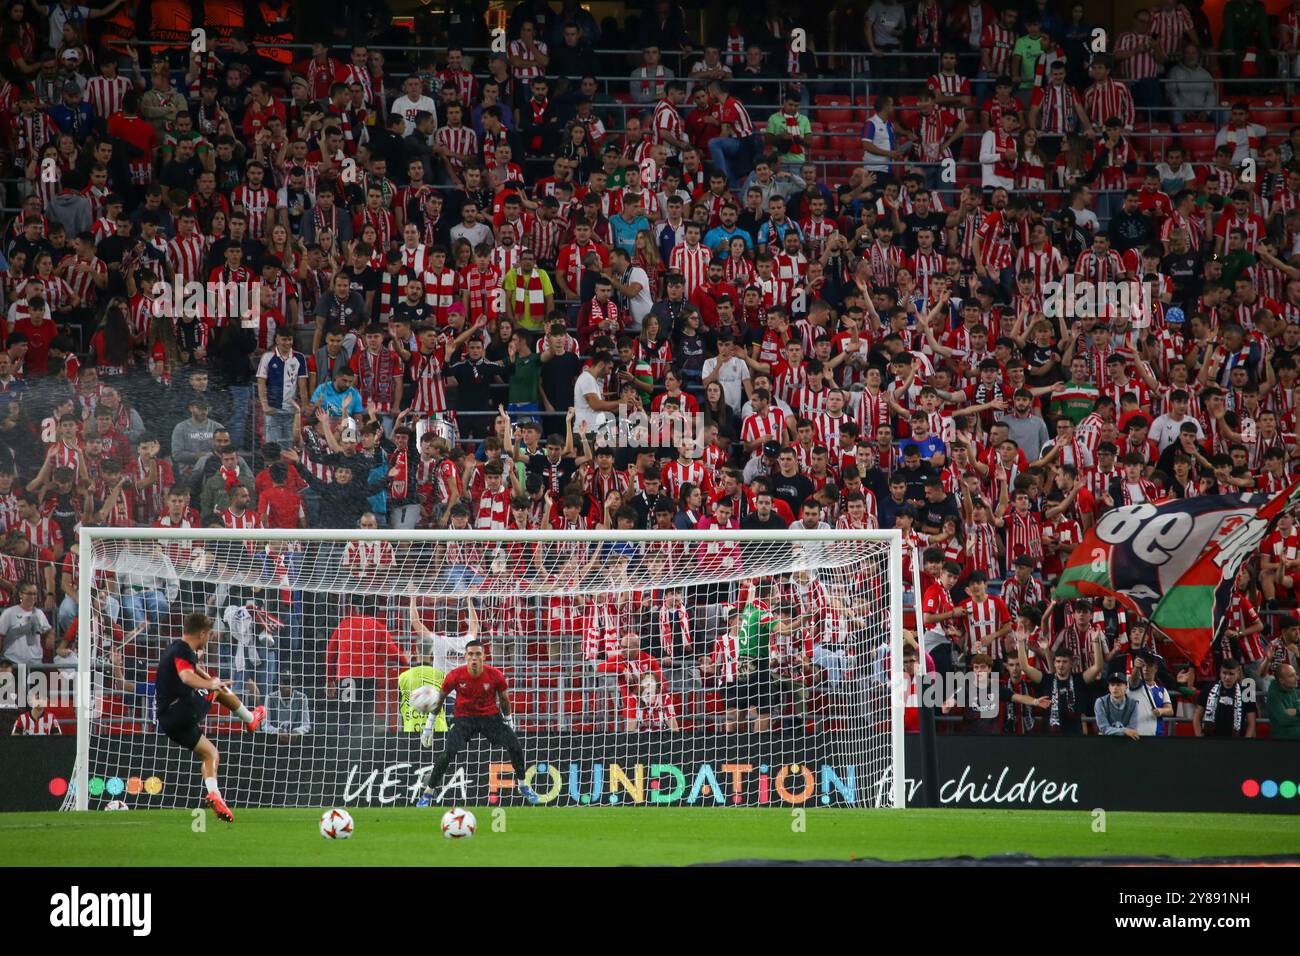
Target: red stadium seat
x=833 y=108
x=1197 y=141
x=1270 y=111
x=907 y=111
x=1151 y=139
x=845 y=144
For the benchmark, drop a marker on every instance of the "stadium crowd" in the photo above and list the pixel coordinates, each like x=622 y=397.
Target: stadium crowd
x=526 y=284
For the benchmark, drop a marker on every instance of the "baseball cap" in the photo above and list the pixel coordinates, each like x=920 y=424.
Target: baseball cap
x=771 y=449
x=1117 y=678
x=1175 y=316
x=72 y=86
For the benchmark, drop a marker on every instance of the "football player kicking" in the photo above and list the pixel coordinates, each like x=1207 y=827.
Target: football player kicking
x=482 y=707
x=184 y=694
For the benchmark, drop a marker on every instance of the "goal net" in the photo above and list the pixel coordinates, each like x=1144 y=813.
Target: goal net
x=645 y=668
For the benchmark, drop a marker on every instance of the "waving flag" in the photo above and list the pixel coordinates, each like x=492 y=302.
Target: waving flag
x=1174 y=562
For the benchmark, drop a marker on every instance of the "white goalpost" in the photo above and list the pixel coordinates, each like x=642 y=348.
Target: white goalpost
x=740 y=668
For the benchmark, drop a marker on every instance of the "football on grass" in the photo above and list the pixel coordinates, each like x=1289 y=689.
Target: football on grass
x=422 y=698
x=336 y=825
x=458 y=824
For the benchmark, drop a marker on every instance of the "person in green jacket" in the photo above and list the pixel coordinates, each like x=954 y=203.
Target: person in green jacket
x=1245 y=32
x=1283 y=705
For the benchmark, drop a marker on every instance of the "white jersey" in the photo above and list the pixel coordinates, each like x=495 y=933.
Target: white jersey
x=448 y=651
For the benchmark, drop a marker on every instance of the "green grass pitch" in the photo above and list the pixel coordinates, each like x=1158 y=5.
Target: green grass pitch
x=613 y=836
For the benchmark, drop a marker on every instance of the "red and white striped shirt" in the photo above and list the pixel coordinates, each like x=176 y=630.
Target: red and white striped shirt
x=999 y=41
x=359 y=75
x=460 y=141
x=1109 y=98
x=983 y=620
x=1241 y=615
x=1024 y=535
x=995 y=241
x=931 y=130
x=105 y=95
x=692 y=263
x=955 y=85
x=1142 y=64
x=815 y=233
x=767 y=427
x=1190 y=226
x=733 y=111
x=430 y=393
x=531 y=67
x=243 y=522
x=1170 y=28
x=28 y=726
x=257 y=205
x=185 y=257
x=1045 y=265
x=982 y=548
x=1056 y=105
x=884 y=262
x=667 y=120
x=544 y=238
x=464 y=82
x=83 y=283
x=1095 y=268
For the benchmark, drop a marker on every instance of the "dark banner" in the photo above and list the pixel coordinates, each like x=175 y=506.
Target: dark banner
x=1183 y=774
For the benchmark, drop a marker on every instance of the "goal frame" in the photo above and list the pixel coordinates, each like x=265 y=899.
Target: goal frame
x=87 y=536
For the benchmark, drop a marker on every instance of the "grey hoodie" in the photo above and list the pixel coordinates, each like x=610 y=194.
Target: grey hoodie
x=72 y=211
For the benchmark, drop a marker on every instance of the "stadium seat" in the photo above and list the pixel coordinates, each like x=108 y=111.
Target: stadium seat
x=1270 y=111
x=1152 y=138
x=833 y=107
x=1197 y=141
x=845 y=144
x=907 y=111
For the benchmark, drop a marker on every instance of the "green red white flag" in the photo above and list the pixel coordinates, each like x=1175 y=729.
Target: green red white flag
x=1174 y=562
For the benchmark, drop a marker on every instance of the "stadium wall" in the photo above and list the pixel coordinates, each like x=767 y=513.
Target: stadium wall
x=1181 y=774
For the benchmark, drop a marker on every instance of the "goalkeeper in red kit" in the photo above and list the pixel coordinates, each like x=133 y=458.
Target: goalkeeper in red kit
x=482 y=707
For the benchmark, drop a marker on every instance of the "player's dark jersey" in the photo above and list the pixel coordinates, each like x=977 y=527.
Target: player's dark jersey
x=475 y=696
x=168 y=686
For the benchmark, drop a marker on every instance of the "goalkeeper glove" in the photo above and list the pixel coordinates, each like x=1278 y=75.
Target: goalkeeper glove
x=426 y=736
x=510 y=720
